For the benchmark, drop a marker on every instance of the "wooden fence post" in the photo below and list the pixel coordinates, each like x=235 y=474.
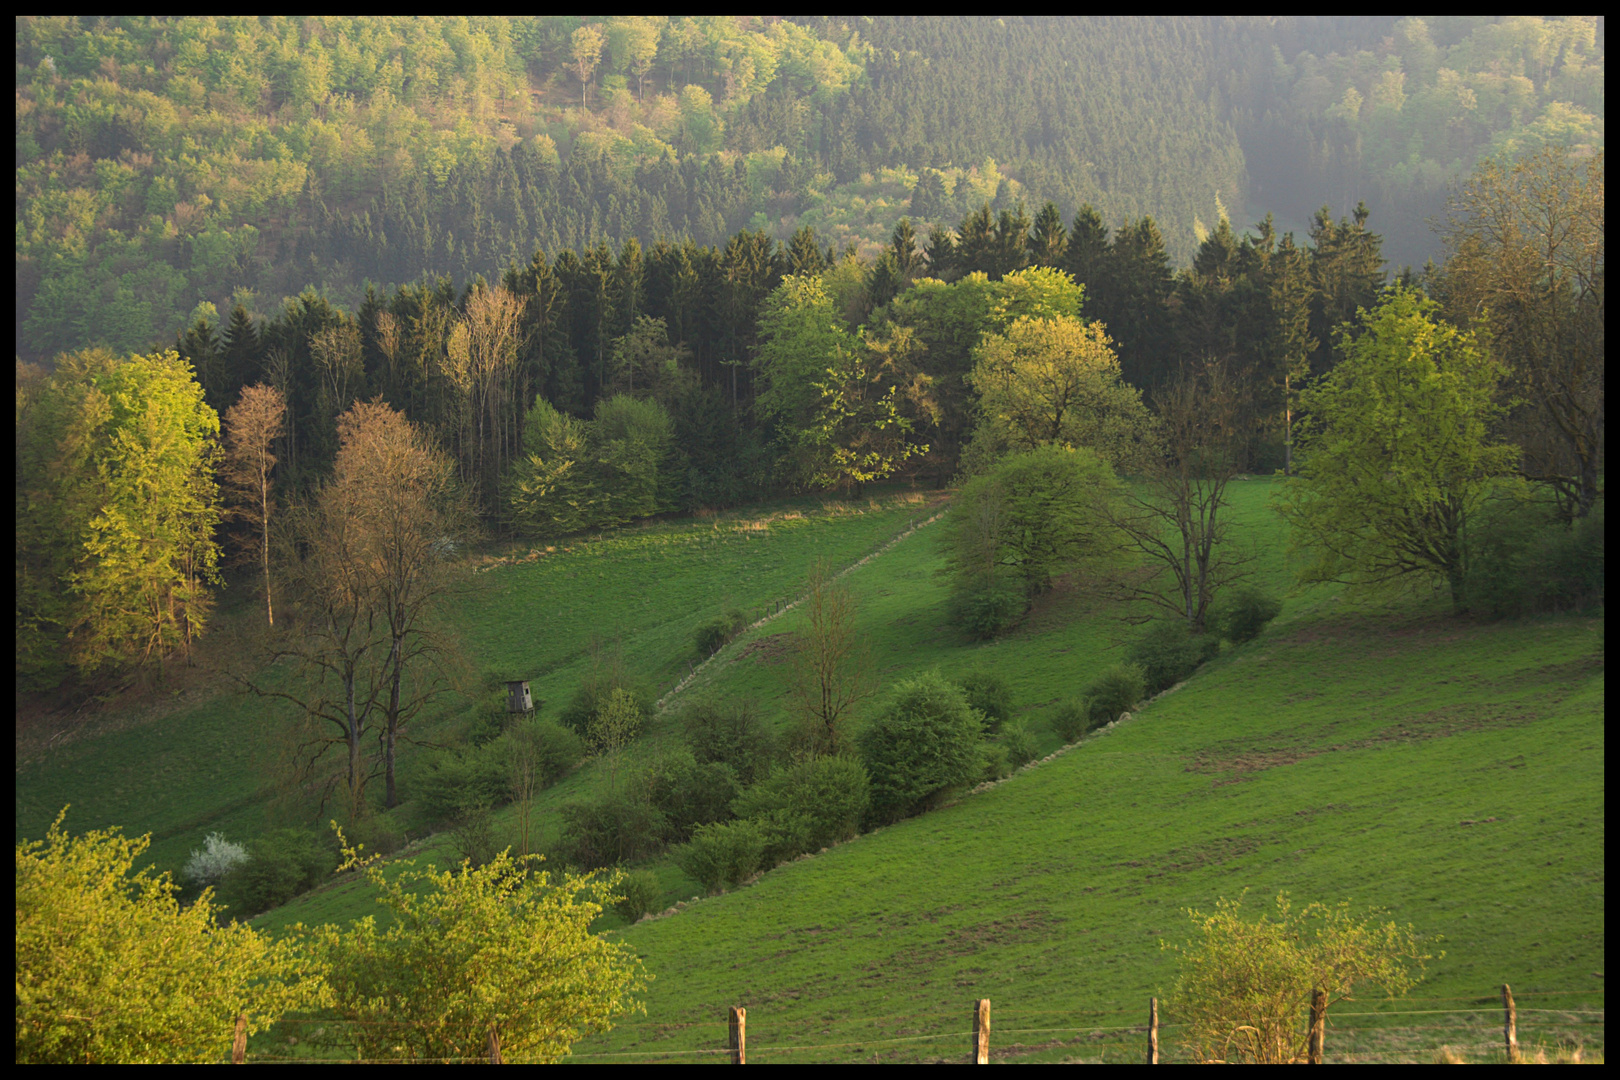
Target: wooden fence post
x=1153 y=1031
x=494 y=1046
x=239 y=1041
x=1313 y=1052
x=1510 y=1024
x=981 y=1032
x=739 y=1036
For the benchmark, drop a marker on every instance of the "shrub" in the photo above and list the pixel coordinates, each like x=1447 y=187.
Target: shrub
x=733 y=734
x=556 y=750
x=640 y=893
x=807 y=806
x=922 y=743
x=217 y=857
x=1523 y=560
x=719 y=630
x=995 y=762
x=419 y=984
x=594 y=693
x=474 y=834
x=112 y=968
x=1167 y=652
x=990 y=694
x=457 y=779
x=1241 y=617
x=722 y=855
x=688 y=792
x=984 y=605
x=1115 y=691
x=1020 y=745
x=1072 y=719
x=279 y=866
x=617 y=827
x=380 y=834
x=1245 y=986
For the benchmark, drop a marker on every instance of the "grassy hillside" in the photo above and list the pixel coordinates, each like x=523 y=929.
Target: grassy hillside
x=202 y=764
x=1448 y=770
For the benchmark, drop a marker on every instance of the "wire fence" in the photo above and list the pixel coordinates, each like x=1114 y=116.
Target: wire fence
x=1483 y=1028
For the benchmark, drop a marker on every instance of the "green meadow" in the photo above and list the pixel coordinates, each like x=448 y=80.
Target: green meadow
x=1385 y=753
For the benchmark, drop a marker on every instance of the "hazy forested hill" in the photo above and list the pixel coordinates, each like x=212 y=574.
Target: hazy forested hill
x=165 y=165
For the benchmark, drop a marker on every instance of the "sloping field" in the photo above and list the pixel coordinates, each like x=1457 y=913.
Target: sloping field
x=1448 y=770
x=202 y=765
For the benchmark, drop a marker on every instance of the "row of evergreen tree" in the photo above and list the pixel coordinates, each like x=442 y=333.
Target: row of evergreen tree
x=1255 y=302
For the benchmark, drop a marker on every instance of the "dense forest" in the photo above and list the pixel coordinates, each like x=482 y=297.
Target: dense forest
x=170 y=169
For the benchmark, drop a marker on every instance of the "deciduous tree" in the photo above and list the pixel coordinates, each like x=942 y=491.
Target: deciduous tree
x=1056 y=382
x=252 y=426
x=112 y=969
x=1397 y=451
x=1527 y=249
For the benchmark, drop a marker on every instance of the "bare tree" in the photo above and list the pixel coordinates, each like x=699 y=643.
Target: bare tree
x=252 y=426
x=831 y=668
x=494 y=329
x=369 y=559
x=1528 y=251
x=412 y=517
x=1174 y=517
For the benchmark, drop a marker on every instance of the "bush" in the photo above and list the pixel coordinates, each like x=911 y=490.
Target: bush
x=990 y=694
x=733 y=734
x=556 y=750
x=1167 y=652
x=688 y=792
x=717 y=631
x=922 y=743
x=380 y=834
x=722 y=855
x=455 y=780
x=807 y=806
x=1072 y=720
x=1115 y=691
x=474 y=834
x=217 y=858
x=279 y=866
x=1522 y=560
x=1245 y=986
x=641 y=893
x=995 y=762
x=616 y=828
x=111 y=967
x=596 y=691
x=451 y=943
x=1241 y=617
x=984 y=605
x=1020 y=745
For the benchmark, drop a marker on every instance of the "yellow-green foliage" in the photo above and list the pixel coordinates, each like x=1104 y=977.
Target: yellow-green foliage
x=499 y=945
x=111 y=968
x=1246 y=984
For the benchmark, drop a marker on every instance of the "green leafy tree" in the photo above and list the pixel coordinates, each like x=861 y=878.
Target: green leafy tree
x=117 y=511
x=112 y=969
x=1397 y=450
x=834 y=397
x=923 y=742
x=1245 y=987
x=614 y=727
x=1056 y=382
x=1034 y=516
x=551 y=489
x=500 y=952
